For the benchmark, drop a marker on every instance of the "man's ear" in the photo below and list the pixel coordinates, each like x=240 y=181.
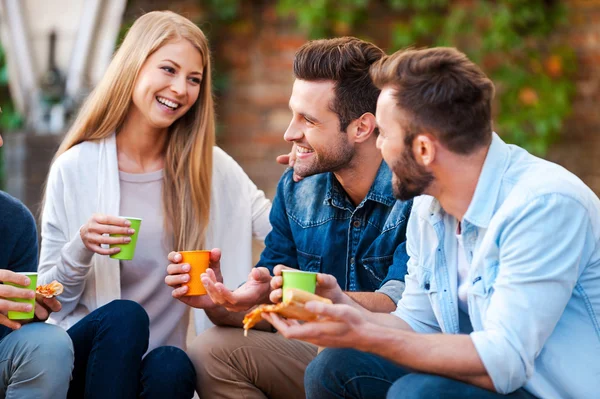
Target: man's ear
x=364 y=127
x=424 y=149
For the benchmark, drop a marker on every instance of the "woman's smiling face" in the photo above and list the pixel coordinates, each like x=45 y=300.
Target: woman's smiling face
x=168 y=84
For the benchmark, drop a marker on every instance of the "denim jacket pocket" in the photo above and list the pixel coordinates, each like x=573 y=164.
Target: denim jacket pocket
x=377 y=267
x=309 y=262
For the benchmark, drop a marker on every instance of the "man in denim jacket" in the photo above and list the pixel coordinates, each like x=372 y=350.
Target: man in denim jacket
x=503 y=288
x=341 y=219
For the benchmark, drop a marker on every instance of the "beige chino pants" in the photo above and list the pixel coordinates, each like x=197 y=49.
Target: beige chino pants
x=261 y=365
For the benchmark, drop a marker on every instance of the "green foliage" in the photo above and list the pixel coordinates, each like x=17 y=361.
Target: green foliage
x=508 y=38
x=224 y=10
x=10 y=119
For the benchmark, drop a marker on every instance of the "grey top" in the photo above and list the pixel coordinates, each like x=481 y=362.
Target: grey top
x=143 y=278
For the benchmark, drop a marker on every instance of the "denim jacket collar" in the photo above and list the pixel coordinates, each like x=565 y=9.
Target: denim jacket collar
x=481 y=208
x=380 y=190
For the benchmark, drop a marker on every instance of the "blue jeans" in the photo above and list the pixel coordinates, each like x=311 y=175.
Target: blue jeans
x=348 y=373
x=35 y=362
x=110 y=343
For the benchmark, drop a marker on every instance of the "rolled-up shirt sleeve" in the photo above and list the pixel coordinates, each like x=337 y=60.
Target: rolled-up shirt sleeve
x=541 y=247
x=393 y=284
x=393 y=289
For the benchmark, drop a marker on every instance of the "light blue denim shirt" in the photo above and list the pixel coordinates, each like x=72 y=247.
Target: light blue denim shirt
x=532 y=237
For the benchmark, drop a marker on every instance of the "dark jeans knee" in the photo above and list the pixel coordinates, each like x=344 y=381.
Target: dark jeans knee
x=125 y=314
x=109 y=345
x=167 y=371
x=128 y=323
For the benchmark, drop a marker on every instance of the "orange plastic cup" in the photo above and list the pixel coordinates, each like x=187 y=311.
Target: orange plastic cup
x=198 y=261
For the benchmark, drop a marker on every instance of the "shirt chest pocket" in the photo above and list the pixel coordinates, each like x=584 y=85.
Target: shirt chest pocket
x=377 y=268
x=309 y=262
x=482 y=285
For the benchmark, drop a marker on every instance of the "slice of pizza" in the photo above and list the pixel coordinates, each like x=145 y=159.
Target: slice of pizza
x=291 y=308
x=50 y=290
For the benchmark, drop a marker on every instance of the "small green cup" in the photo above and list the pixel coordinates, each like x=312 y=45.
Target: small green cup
x=13 y=315
x=127 y=250
x=305 y=281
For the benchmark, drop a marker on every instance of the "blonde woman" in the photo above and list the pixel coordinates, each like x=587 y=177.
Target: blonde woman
x=143 y=146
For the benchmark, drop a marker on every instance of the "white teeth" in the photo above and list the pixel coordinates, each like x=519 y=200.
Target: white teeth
x=167 y=102
x=303 y=150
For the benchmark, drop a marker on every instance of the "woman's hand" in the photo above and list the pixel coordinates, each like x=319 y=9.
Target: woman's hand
x=92 y=233
x=178 y=276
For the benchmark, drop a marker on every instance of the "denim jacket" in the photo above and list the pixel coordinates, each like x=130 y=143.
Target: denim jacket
x=532 y=237
x=317 y=228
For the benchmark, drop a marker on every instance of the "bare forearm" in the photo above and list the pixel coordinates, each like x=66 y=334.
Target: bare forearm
x=373 y=301
x=222 y=317
x=452 y=356
x=379 y=301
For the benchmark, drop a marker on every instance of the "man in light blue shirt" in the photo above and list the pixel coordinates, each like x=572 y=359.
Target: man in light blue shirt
x=503 y=288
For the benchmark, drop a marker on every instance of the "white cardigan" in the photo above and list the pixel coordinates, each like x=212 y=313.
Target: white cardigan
x=85 y=180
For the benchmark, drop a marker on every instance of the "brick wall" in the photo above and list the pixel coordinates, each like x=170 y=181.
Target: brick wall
x=579 y=146
x=256 y=54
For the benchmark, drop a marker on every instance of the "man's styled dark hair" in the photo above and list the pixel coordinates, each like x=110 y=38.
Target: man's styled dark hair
x=346 y=62
x=442 y=92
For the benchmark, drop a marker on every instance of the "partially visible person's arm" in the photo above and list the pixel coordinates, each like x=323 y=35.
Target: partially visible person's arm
x=24 y=255
x=21 y=257
x=19 y=246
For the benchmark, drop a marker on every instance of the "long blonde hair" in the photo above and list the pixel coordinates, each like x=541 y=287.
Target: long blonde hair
x=188 y=158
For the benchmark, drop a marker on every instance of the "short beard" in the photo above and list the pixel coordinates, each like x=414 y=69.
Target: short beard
x=338 y=157
x=411 y=179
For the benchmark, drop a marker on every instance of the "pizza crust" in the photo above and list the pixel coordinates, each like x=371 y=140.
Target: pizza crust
x=292 y=308
x=50 y=290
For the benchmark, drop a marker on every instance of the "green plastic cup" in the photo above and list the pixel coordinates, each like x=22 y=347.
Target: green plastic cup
x=14 y=315
x=127 y=250
x=305 y=281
